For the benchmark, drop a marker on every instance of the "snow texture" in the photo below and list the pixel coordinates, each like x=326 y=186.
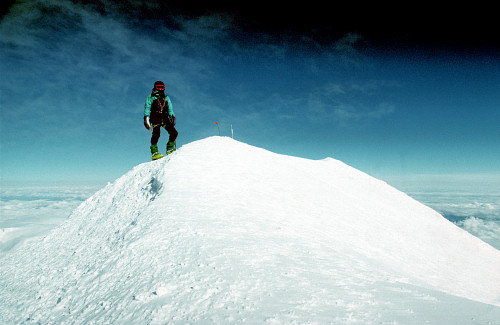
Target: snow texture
x=224 y=232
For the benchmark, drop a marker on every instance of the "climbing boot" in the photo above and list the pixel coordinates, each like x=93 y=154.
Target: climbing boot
x=154 y=152
x=171 y=147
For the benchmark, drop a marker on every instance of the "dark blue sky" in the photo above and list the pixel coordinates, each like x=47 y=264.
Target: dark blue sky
x=384 y=91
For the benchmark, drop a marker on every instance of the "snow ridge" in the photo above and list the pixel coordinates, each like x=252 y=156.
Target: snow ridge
x=223 y=232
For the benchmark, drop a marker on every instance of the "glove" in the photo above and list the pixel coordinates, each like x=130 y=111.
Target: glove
x=172 y=119
x=146 y=122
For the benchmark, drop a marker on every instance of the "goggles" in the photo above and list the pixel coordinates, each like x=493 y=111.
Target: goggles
x=160 y=87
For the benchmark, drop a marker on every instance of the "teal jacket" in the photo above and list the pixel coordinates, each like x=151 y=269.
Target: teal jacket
x=149 y=101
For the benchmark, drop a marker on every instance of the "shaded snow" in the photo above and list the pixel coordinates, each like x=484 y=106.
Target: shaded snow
x=223 y=232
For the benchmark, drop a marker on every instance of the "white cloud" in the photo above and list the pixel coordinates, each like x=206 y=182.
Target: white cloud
x=346 y=44
x=470 y=201
x=487 y=230
x=349 y=102
x=31 y=211
x=209 y=28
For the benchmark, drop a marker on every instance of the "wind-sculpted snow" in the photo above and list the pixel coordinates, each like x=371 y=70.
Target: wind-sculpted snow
x=223 y=232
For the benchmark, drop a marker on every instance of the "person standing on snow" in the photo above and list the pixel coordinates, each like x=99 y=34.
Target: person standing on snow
x=158 y=113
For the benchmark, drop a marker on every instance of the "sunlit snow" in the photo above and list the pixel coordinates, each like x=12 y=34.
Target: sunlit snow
x=224 y=232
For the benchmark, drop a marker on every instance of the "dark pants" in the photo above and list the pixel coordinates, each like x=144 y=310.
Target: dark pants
x=158 y=122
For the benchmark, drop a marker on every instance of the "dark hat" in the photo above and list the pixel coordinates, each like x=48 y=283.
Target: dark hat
x=159 y=85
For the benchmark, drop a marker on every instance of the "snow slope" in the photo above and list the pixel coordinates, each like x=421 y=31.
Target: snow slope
x=224 y=232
